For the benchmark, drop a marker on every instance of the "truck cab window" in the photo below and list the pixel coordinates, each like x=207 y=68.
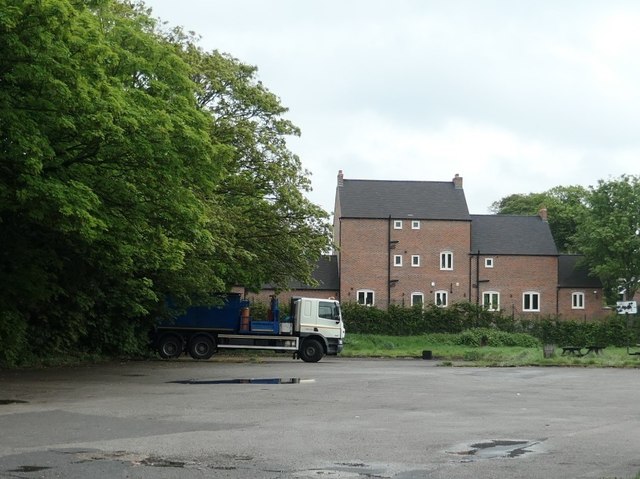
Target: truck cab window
x=327 y=310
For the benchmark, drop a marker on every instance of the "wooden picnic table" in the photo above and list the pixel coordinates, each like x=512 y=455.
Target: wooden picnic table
x=595 y=349
x=572 y=351
x=577 y=350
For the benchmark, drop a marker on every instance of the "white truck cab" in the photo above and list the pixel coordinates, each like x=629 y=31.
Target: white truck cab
x=318 y=323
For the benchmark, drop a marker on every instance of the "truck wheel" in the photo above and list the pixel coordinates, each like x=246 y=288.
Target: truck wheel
x=311 y=351
x=201 y=347
x=170 y=346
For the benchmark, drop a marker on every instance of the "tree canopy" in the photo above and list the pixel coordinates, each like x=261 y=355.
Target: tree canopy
x=134 y=165
x=601 y=222
x=565 y=206
x=608 y=234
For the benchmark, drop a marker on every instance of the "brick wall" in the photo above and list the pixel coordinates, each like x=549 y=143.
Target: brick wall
x=592 y=304
x=365 y=258
x=512 y=276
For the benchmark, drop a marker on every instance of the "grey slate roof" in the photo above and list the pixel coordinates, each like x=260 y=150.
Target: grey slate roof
x=512 y=235
x=573 y=274
x=402 y=199
x=325 y=273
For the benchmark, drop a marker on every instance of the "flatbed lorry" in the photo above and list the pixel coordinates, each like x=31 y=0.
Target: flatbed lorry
x=313 y=329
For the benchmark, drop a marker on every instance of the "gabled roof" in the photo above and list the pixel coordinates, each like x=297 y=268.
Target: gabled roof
x=437 y=200
x=573 y=274
x=512 y=235
x=325 y=273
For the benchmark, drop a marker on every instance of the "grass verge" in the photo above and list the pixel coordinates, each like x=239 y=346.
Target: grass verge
x=378 y=346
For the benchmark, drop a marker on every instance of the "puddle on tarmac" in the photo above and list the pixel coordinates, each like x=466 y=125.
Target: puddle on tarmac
x=246 y=381
x=29 y=469
x=160 y=462
x=496 y=448
x=12 y=401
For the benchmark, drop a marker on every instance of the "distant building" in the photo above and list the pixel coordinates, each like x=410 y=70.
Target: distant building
x=325 y=274
x=414 y=242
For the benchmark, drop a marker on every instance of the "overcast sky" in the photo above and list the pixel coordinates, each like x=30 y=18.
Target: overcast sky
x=515 y=96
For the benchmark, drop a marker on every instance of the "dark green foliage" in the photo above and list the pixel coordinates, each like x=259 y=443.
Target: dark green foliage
x=496 y=338
x=478 y=327
x=259 y=311
x=612 y=331
x=432 y=319
x=600 y=222
x=134 y=166
x=565 y=206
x=607 y=234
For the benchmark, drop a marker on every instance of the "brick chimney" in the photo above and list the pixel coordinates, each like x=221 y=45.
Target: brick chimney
x=542 y=213
x=457 y=182
x=340 y=178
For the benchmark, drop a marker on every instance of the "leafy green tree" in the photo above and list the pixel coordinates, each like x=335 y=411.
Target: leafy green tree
x=279 y=234
x=133 y=166
x=564 y=204
x=608 y=234
x=103 y=150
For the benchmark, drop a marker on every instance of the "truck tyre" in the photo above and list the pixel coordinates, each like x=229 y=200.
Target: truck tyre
x=311 y=351
x=201 y=347
x=170 y=346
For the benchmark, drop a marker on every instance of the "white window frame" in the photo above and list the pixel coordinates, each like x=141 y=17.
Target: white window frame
x=446 y=260
x=441 y=295
x=488 y=262
x=366 y=293
x=577 y=300
x=415 y=295
x=397 y=224
x=415 y=260
x=397 y=260
x=492 y=306
x=415 y=224
x=530 y=295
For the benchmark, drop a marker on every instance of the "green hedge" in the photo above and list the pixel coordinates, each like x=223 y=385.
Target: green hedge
x=614 y=330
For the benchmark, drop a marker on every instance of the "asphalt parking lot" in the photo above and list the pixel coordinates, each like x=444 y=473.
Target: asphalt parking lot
x=339 y=418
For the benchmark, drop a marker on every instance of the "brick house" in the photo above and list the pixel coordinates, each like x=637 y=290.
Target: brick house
x=402 y=242
x=515 y=263
x=579 y=295
x=327 y=285
x=414 y=242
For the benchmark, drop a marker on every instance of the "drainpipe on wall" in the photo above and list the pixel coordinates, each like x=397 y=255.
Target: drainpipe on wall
x=478 y=278
x=389 y=263
x=470 y=273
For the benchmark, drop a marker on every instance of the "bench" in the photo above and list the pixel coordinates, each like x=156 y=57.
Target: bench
x=577 y=351
x=572 y=351
x=595 y=349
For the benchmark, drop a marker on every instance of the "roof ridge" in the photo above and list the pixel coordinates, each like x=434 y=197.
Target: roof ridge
x=397 y=181
x=500 y=215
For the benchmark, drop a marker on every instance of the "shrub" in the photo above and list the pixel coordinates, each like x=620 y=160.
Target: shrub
x=493 y=337
x=13 y=328
x=466 y=317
